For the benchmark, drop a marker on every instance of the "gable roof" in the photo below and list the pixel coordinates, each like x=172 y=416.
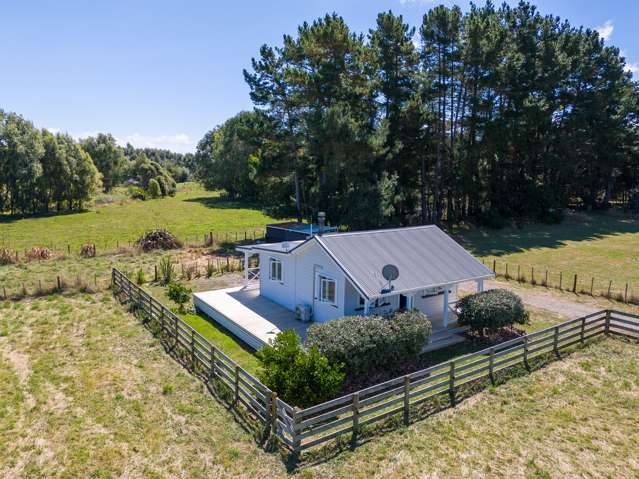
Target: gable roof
x=425 y=256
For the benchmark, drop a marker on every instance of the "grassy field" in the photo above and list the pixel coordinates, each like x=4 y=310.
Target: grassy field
x=191 y=214
x=86 y=391
x=602 y=245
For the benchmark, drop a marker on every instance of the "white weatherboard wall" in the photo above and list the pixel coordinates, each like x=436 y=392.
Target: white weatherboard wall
x=280 y=292
x=310 y=261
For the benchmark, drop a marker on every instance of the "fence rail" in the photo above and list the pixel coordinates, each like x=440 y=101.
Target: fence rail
x=300 y=429
x=348 y=414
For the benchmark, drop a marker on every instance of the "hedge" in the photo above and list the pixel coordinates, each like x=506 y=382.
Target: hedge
x=367 y=344
x=490 y=311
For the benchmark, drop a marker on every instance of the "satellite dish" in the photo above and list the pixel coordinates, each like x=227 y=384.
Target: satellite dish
x=390 y=272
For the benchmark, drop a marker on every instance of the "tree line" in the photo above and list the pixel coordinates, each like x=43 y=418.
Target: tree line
x=42 y=172
x=491 y=114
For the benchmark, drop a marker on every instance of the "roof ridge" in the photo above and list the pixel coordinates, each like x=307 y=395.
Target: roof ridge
x=380 y=230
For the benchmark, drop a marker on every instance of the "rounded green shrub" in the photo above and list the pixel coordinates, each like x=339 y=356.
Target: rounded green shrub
x=492 y=310
x=301 y=377
x=368 y=344
x=154 y=189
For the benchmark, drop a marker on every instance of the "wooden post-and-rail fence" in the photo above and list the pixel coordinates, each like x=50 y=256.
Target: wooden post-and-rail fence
x=300 y=429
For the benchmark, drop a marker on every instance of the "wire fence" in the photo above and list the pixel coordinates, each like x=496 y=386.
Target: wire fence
x=578 y=283
x=100 y=246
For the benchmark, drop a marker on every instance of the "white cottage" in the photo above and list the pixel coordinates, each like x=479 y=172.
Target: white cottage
x=332 y=275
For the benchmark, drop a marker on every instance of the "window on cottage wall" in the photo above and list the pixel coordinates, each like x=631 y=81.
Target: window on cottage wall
x=275 y=270
x=327 y=290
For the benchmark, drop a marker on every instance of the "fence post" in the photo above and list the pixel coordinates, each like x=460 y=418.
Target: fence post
x=518 y=273
x=607 y=323
x=237 y=383
x=273 y=413
x=556 y=342
x=406 y=400
x=609 y=288
x=561 y=277
x=592 y=285
x=491 y=362
x=495 y=266
x=507 y=275
x=297 y=441
x=355 y=408
x=526 y=352
x=532 y=275
x=625 y=296
x=451 y=383
x=546 y=280
x=583 y=330
x=574 y=284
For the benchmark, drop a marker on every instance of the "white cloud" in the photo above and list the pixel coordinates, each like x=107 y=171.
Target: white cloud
x=605 y=30
x=180 y=142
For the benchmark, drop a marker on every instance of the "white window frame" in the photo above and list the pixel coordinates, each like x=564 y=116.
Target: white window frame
x=323 y=278
x=271 y=262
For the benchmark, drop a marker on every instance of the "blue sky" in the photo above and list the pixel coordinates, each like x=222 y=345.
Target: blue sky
x=162 y=73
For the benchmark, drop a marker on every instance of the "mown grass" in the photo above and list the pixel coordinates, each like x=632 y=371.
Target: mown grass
x=603 y=245
x=191 y=214
x=86 y=391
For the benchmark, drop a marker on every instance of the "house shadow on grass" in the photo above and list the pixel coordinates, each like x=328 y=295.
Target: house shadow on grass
x=577 y=226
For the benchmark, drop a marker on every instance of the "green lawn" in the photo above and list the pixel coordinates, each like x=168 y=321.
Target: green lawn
x=192 y=213
x=86 y=391
x=600 y=245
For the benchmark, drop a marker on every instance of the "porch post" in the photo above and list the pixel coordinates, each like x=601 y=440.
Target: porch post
x=410 y=301
x=480 y=285
x=367 y=305
x=445 y=316
x=246 y=268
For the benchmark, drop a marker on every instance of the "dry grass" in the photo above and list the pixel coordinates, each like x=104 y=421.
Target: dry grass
x=85 y=391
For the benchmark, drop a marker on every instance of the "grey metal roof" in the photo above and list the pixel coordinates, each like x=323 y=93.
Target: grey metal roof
x=425 y=255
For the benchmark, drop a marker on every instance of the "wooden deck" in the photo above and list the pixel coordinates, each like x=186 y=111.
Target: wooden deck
x=249 y=316
x=255 y=319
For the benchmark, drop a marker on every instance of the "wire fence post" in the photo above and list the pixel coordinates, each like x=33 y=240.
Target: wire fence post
x=607 y=323
x=555 y=345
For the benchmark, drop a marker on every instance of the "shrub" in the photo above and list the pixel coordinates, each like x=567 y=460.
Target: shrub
x=180 y=294
x=7 y=257
x=492 y=310
x=166 y=270
x=300 y=377
x=154 y=188
x=38 y=253
x=140 y=278
x=87 y=251
x=368 y=344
